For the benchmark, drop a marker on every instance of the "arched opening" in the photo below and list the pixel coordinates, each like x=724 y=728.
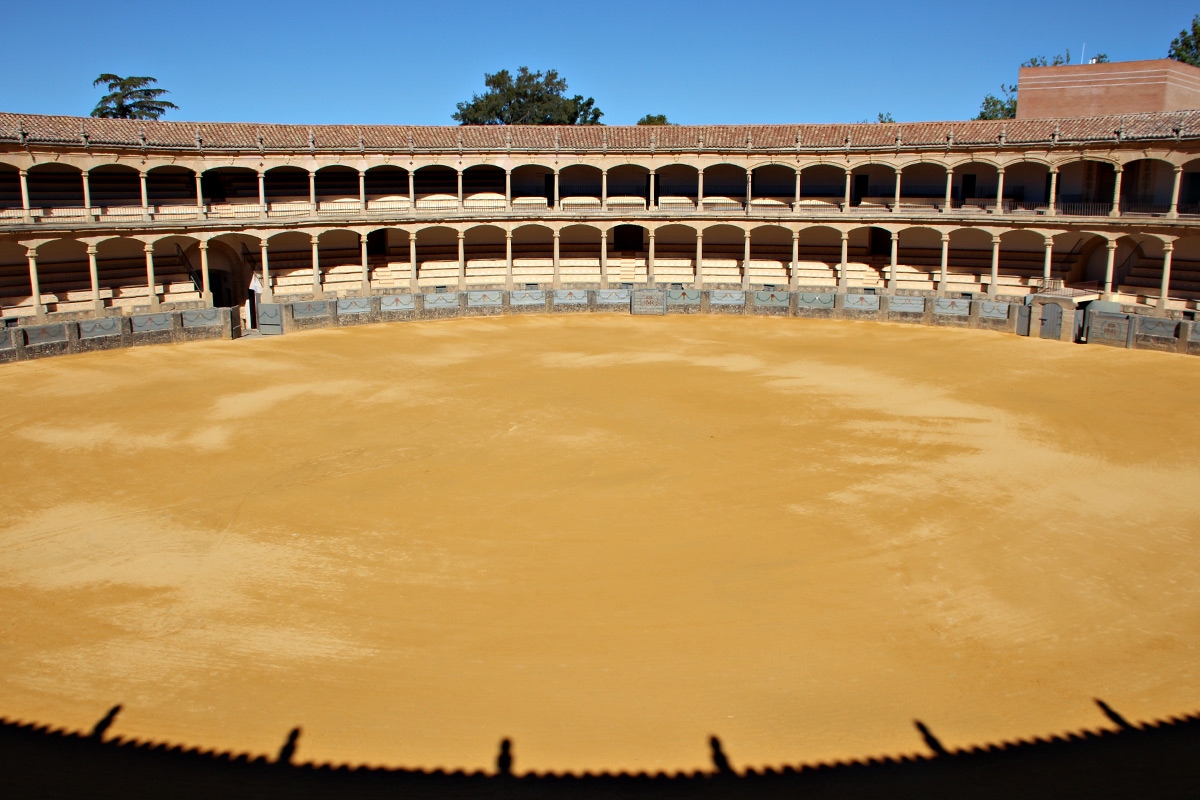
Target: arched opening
x=483 y=187
x=388 y=257
x=923 y=186
x=770 y=256
x=387 y=188
x=1022 y=262
x=579 y=256
x=63 y=275
x=820 y=254
x=339 y=256
x=1146 y=186
x=772 y=188
x=724 y=188
x=436 y=187
x=579 y=187
x=674 y=255
x=873 y=187
x=969 y=262
x=437 y=257
x=628 y=187
x=177 y=272
x=871 y=256
x=532 y=187
x=10 y=190
x=724 y=248
x=337 y=189
x=919 y=258
x=678 y=187
x=16 y=291
x=1143 y=279
x=114 y=188
x=230 y=191
x=974 y=186
x=1189 y=188
x=822 y=187
x=121 y=268
x=287 y=192
x=1026 y=187
x=487 y=264
x=533 y=256
x=56 y=186
x=1086 y=187
x=228 y=275
x=290 y=261
x=171 y=187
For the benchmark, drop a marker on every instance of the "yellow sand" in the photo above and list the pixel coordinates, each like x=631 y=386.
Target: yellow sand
x=605 y=537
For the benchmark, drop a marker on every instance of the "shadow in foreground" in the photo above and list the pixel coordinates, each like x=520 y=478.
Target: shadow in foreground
x=1160 y=759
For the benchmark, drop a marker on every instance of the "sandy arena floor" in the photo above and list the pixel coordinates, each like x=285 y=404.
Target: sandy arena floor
x=604 y=537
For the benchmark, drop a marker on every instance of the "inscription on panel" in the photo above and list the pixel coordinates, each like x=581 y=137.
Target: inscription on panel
x=649 y=301
x=1112 y=328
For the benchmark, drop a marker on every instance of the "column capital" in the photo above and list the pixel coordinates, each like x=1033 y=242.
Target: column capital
x=261 y=174
x=316 y=239
x=1054 y=169
x=312 y=173
x=650 y=234
x=1168 y=247
x=945 y=238
x=31 y=253
x=895 y=236
x=1048 y=241
x=845 y=236
x=262 y=242
x=1178 y=168
x=795 y=235
x=1000 y=170
x=555 y=234
x=92 y=249
x=995 y=239
x=362 y=238
x=148 y=247
x=23 y=172
x=1118 y=168
x=461 y=235
x=362 y=173
x=1112 y=244
x=202 y=244
x=508 y=235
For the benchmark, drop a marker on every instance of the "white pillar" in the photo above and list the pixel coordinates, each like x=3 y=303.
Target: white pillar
x=651 y=203
x=145 y=190
x=650 y=262
x=995 y=265
x=796 y=200
x=1115 y=211
x=24 y=176
x=199 y=192
x=462 y=259
x=896 y=201
x=312 y=190
x=87 y=193
x=94 y=277
x=604 y=261
x=205 y=283
x=556 y=194
x=793 y=279
x=508 y=261
x=603 y=190
x=699 y=272
x=412 y=194
x=267 y=294
x=460 y=191
x=1174 y=212
x=842 y=277
x=150 y=281
x=948 y=202
x=945 y=262
x=1000 y=191
x=1053 y=199
x=362 y=190
x=1108 y=267
x=366 y=264
x=412 y=257
x=846 y=197
x=1048 y=263
x=35 y=286
x=556 y=281
x=895 y=258
x=262 y=193
x=1165 y=287
x=749 y=188
x=700 y=190
x=315 y=279
x=746 y=261
x=508 y=192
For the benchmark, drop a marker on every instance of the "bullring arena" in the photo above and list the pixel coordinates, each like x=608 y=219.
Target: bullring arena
x=771 y=432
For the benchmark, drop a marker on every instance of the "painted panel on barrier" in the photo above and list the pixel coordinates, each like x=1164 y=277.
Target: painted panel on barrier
x=683 y=296
x=862 y=302
x=649 y=301
x=99 y=328
x=354 y=305
x=314 y=308
x=270 y=319
x=570 y=297
x=992 y=310
x=1108 y=328
x=527 y=297
x=727 y=297
x=397 y=302
x=907 y=305
x=441 y=300
x=612 y=296
x=814 y=300
x=45 y=334
x=143 y=323
x=482 y=299
x=953 y=307
x=6 y=339
x=201 y=318
x=1161 y=328
x=775 y=299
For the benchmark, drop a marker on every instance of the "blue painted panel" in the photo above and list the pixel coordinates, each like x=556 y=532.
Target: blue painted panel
x=727 y=297
x=143 y=323
x=527 y=297
x=270 y=319
x=862 y=302
x=991 y=310
x=953 y=307
x=815 y=300
x=6 y=339
x=907 y=305
x=45 y=334
x=683 y=297
x=612 y=296
x=397 y=302
x=98 y=328
x=201 y=318
x=570 y=297
x=441 y=300
x=648 y=301
x=1164 y=328
x=354 y=305
x=314 y=308
x=775 y=299
x=493 y=298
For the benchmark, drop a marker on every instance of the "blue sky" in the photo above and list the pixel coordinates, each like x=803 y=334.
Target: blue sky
x=697 y=62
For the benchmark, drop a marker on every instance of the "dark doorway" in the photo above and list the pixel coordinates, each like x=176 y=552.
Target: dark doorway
x=879 y=243
x=862 y=184
x=550 y=190
x=377 y=243
x=628 y=238
x=1051 y=321
x=968 y=185
x=222 y=292
x=252 y=296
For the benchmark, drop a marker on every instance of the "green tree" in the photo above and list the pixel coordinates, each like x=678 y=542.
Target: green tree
x=654 y=119
x=885 y=116
x=533 y=98
x=131 y=98
x=1186 y=46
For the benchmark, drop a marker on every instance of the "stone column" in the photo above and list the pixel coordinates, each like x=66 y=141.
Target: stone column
x=700 y=190
x=651 y=202
x=312 y=190
x=796 y=200
x=460 y=191
x=150 y=281
x=895 y=259
x=462 y=258
x=793 y=278
x=949 y=201
x=412 y=192
x=556 y=281
x=200 y=194
x=1115 y=211
x=603 y=190
x=1164 y=288
x=205 y=282
x=896 y=200
x=1048 y=263
x=846 y=198
x=1174 y=212
x=699 y=282
x=316 y=264
x=945 y=262
x=145 y=191
x=262 y=191
x=366 y=264
x=508 y=191
x=362 y=190
x=604 y=261
x=995 y=265
x=1000 y=191
x=508 y=261
x=413 y=286
x=24 y=176
x=843 y=279
x=557 y=201
x=650 y=262
x=267 y=294
x=749 y=188
x=1053 y=205
x=35 y=286
x=87 y=194
x=94 y=276
x=746 y=261
x=1108 y=268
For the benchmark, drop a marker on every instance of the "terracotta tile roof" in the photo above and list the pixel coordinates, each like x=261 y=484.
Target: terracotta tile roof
x=249 y=137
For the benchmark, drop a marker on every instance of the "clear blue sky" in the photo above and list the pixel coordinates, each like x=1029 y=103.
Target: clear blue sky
x=697 y=62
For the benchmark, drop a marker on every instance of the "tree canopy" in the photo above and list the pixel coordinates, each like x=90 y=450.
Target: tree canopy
x=1186 y=46
x=654 y=119
x=533 y=98
x=131 y=98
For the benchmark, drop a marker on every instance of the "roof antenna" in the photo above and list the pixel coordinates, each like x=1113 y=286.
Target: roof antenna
x=1083 y=54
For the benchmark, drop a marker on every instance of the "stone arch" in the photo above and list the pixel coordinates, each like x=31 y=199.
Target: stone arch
x=723 y=255
x=387 y=187
x=54 y=185
x=724 y=183
x=115 y=186
x=287 y=186
x=822 y=186
x=1146 y=186
x=1085 y=186
x=678 y=185
x=170 y=185
x=223 y=187
x=436 y=186
x=483 y=186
